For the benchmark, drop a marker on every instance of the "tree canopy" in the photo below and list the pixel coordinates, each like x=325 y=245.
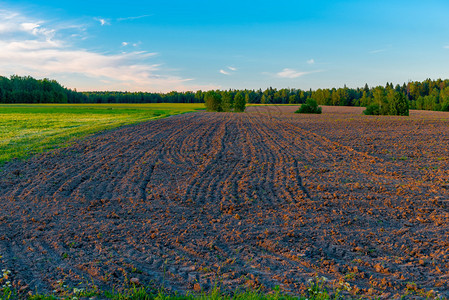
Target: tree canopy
x=426 y=95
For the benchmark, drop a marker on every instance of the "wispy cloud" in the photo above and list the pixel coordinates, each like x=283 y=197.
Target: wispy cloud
x=377 y=51
x=311 y=61
x=446 y=47
x=104 y=21
x=133 y=18
x=290 y=73
x=30 y=47
x=7 y=26
x=227 y=72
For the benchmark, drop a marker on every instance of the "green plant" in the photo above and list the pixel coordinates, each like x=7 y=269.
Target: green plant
x=42 y=297
x=372 y=109
x=7 y=293
x=317 y=289
x=135 y=270
x=310 y=107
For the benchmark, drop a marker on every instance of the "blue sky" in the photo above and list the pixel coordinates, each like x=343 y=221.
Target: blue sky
x=189 y=45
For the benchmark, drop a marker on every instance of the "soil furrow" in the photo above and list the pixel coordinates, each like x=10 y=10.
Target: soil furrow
x=255 y=200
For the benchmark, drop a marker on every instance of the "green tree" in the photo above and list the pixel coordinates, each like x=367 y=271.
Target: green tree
x=365 y=100
x=239 y=102
x=336 y=97
x=247 y=98
x=320 y=96
x=227 y=101
x=212 y=100
x=379 y=96
x=292 y=99
x=444 y=99
x=399 y=106
x=388 y=101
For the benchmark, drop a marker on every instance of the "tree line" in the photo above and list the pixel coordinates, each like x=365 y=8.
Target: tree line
x=17 y=89
x=426 y=95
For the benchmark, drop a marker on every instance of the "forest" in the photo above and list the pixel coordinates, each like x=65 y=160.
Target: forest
x=426 y=95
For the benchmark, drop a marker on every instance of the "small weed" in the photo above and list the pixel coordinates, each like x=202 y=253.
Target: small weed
x=135 y=270
x=343 y=286
x=317 y=290
x=7 y=293
x=42 y=297
x=205 y=270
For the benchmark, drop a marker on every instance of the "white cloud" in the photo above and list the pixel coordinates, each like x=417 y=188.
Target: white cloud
x=103 y=21
x=311 y=61
x=224 y=72
x=7 y=15
x=6 y=26
x=124 y=44
x=32 y=27
x=446 y=47
x=290 y=73
x=28 y=47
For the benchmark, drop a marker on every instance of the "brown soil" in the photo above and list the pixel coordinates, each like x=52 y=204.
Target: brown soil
x=258 y=199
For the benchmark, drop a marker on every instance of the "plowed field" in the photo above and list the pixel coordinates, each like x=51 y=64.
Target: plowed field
x=263 y=198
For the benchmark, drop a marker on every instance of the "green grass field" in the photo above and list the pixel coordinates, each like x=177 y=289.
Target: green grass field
x=26 y=129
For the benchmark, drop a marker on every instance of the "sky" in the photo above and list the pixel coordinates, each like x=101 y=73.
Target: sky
x=161 y=46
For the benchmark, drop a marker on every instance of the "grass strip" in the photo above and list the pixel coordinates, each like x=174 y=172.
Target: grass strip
x=27 y=129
